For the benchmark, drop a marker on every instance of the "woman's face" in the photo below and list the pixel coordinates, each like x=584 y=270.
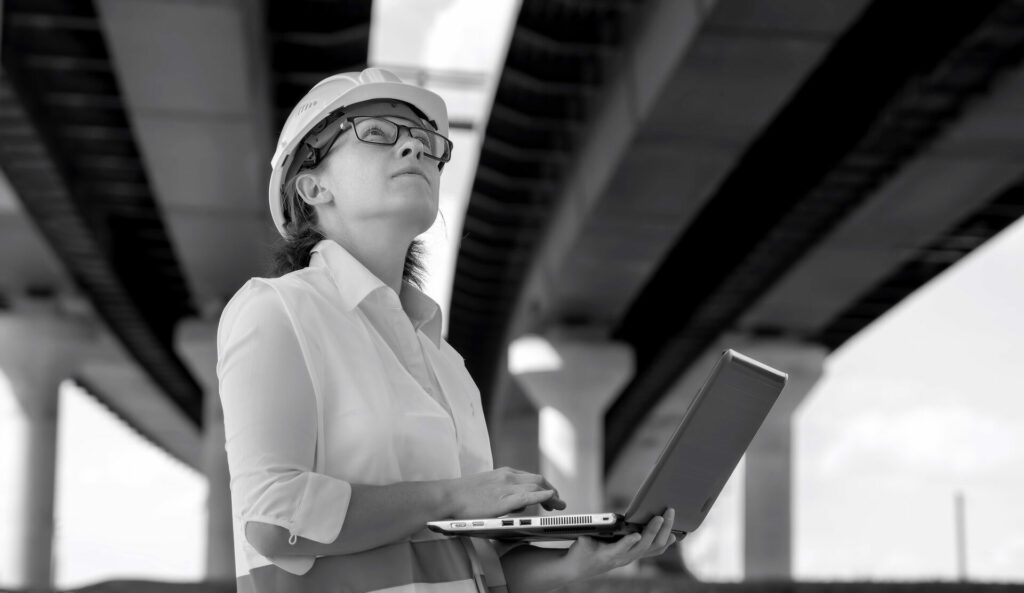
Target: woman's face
x=378 y=183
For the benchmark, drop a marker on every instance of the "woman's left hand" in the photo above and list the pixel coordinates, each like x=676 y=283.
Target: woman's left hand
x=589 y=556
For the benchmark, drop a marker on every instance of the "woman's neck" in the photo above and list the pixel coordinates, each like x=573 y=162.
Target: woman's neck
x=383 y=256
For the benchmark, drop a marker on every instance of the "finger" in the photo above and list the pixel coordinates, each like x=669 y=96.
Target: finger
x=556 y=499
x=555 y=502
x=590 y=542
x=659 y=551
x=550 y=499
x=546 y=484
x=661 y=540
x=520 y=496
x=650 y=532
x=625 y=545
x=535 y=496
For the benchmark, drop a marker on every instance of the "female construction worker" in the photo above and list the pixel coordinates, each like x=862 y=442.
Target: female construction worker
x=350 y=422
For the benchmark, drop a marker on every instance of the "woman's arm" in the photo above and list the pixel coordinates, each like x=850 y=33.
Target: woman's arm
x=379 y=515
x=376 y=515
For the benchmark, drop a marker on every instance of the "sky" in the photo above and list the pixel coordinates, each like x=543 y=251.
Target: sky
x=921 y=405
x=926 y=402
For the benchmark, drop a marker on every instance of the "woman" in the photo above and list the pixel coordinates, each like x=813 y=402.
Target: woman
x=349 y=421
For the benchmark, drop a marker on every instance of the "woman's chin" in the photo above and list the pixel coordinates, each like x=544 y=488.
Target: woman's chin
x=421 y=219
x=415 y=209
x=424 y=210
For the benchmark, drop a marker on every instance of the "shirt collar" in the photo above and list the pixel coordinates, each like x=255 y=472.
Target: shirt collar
x=359 y=282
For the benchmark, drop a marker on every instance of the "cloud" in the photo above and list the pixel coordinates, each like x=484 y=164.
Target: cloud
x=1005 y=562
x=944 y=440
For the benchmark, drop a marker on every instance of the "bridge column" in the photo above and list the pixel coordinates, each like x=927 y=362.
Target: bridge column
x=196 y=344
x=572 y=381
x=515 y=438
x=38 y=350
x=767 y=547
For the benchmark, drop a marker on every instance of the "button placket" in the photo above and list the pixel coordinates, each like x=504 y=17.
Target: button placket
x=408 y=350
x=444 y=394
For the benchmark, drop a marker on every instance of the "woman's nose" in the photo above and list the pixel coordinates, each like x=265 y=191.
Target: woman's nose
x=409 y=145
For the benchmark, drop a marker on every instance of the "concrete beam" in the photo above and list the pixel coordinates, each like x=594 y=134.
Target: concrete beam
x=974 y=160
x=203 y=129
x=661 y=38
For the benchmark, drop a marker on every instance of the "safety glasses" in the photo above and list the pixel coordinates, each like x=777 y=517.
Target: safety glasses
x=373 y=130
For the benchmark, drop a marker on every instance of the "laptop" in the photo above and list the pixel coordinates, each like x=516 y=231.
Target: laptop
x=691 y=470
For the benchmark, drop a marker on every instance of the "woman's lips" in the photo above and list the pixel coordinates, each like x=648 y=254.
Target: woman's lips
x=411 y=171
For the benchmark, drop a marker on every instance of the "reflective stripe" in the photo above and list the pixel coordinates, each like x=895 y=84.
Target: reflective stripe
x=395 y=565
x=488 y=564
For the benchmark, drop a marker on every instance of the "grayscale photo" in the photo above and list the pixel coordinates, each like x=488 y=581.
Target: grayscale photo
x=511 y=296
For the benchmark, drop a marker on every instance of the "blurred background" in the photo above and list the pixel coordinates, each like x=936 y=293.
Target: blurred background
x=831 y=186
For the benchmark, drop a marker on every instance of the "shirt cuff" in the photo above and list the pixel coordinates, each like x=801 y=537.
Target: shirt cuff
x=322 y=510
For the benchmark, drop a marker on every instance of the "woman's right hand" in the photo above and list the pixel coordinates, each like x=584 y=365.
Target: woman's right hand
x=499 y=492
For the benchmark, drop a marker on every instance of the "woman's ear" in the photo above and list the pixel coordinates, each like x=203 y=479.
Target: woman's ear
x=310 y=190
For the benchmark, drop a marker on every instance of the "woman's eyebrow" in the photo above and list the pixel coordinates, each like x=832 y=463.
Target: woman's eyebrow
x=418 y=124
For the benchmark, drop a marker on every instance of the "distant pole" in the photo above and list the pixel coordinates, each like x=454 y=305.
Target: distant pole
x=961 y=538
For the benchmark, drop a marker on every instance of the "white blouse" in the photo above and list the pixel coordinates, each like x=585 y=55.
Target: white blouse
x=328 y=378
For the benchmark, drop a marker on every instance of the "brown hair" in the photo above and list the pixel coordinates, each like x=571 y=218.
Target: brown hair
x=300 y=224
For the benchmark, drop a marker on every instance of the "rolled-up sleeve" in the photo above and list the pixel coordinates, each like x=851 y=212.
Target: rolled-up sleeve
x=270 y=422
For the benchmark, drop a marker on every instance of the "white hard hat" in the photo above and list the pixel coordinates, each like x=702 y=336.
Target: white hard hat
x=331 y=94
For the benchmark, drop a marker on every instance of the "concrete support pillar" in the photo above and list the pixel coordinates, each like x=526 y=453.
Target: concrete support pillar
x=38 y=350
x=572 y=381
x=767 y=547
x=196 y=344
x=517 y=443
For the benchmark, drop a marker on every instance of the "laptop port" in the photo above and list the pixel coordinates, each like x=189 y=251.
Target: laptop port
x=525 y=521
x=478 y=523
x=508 y=522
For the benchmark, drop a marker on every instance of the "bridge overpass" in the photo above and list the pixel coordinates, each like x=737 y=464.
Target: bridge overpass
x=657 y=179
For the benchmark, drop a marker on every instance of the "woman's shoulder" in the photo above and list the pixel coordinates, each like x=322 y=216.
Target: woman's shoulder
x=306 y=280
x=263 y=297
x=256 y=301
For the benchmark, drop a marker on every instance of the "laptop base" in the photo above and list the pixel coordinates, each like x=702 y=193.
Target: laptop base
x=539 y=532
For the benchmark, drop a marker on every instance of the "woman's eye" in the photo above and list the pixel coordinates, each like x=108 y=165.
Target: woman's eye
x=375 y=131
